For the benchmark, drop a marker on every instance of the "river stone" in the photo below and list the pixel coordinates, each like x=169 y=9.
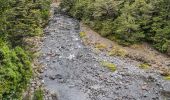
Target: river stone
x=166 y=89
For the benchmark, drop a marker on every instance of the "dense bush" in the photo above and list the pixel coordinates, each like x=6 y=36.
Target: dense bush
x=18 y=19
x=126 y=21
x=15 y=71
x=22 y=18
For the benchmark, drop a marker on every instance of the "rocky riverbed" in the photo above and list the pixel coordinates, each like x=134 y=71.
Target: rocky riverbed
x=74 y=71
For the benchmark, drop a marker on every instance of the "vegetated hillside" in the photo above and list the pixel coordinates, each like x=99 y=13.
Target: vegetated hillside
x=18 y=19
x=126 y=21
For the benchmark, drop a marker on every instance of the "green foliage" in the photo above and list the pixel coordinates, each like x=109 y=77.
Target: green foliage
x=127 y=21
x=106 y=28
x=38 y=95
x=15 y=71
x=24 y=18
x=161 y=26
x=19 y=19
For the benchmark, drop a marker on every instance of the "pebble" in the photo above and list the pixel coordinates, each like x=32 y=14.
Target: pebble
x=52 y=77
x=58 y=76
x=166 y=88
x=43 y=81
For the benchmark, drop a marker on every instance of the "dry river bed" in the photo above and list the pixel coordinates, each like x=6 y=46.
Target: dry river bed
x=74 y=71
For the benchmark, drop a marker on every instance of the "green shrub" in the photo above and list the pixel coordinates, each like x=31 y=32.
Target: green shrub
x=15 y=72
x=38 y=95
x=107 y=28
x=23 y=18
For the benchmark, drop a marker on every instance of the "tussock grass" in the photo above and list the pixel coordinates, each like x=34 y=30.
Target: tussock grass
x=100 y=46
x=109 y=65
x=167 y=77
x=144 y=66
x=82 y=34
x=116 y=51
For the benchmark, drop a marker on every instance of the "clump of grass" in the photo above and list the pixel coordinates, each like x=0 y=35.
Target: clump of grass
x=165 y=73
x=100 y=46
x=82 y=34
x=144 y=66
x=38 y=95
x=167 y=77
x=116 y=51
x=108 y=65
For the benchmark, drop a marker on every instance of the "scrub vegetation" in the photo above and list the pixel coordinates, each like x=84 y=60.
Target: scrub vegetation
x=19 y=19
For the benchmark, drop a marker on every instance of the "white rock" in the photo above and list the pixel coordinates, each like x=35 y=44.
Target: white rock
x=71 y=56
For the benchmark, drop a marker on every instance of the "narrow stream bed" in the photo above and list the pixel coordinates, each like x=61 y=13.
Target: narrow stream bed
x=74 y=71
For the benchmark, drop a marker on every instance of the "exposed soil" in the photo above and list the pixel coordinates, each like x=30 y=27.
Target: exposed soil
x=74 y=71
x=141 y=52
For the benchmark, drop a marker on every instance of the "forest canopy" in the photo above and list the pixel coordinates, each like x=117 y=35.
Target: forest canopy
x=126 y=21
